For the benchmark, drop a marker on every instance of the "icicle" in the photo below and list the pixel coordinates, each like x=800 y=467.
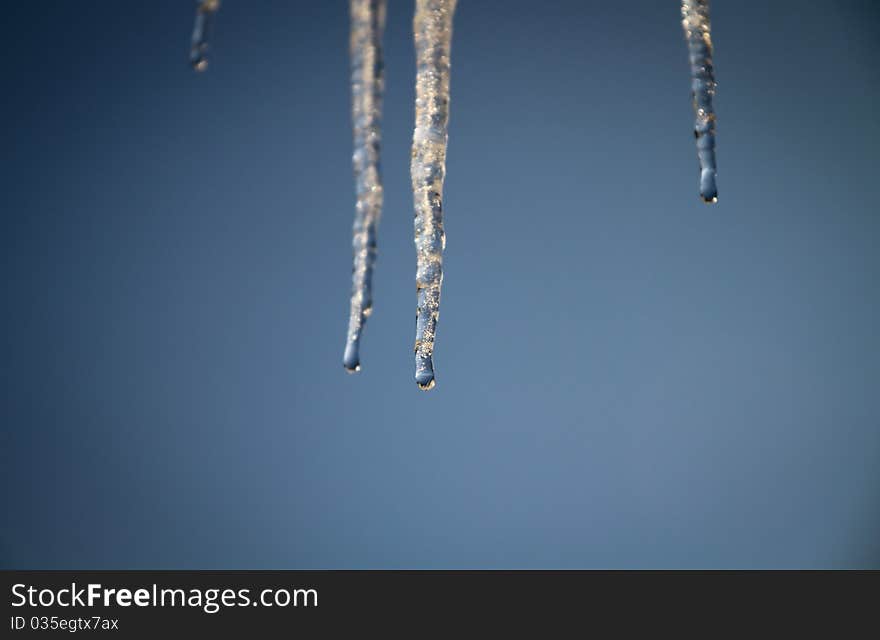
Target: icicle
x=198 y=53
x=433 y=39
x=697 y=30
x=367 y=24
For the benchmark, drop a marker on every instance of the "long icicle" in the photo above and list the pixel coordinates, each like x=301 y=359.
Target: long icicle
x=198 y=52
x=367 y=84
x=697 y=31
x=432 y=26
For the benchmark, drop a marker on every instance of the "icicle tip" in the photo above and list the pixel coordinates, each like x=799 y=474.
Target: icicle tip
x=351 y=358
x=708 y=188
x=425 y=373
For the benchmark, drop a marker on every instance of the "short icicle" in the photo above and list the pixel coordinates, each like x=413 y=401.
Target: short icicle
x=433 y=39
x=367 y=25
x=198 y=52
x=697 y=30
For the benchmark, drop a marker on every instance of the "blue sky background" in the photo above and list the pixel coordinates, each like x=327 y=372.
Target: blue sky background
x=626 y=377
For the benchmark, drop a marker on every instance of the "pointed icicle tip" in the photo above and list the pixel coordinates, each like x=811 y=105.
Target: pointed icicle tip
x=698 y=35
x=198 y=52
x=424 y=370
x=351 y=358
x=432 y=29
x=367 y=89
x=708 y=188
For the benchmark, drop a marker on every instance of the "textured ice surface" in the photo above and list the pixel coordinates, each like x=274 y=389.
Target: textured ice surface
x=433 y=38
x=697 y=31
x=198 y=53
x=367 y=25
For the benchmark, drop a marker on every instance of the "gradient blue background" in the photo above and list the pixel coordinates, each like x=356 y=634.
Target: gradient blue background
x=626 y=377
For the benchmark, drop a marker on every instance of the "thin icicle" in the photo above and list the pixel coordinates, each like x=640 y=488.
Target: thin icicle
x=697 y=31
x=433 y=39
x=367 y=25
x=198 y=53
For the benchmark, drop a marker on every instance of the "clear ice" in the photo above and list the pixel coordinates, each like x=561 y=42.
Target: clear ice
x=433 y=38
x=697 y=31
x=367 y=84
x=198 y=53
x=432 y=27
